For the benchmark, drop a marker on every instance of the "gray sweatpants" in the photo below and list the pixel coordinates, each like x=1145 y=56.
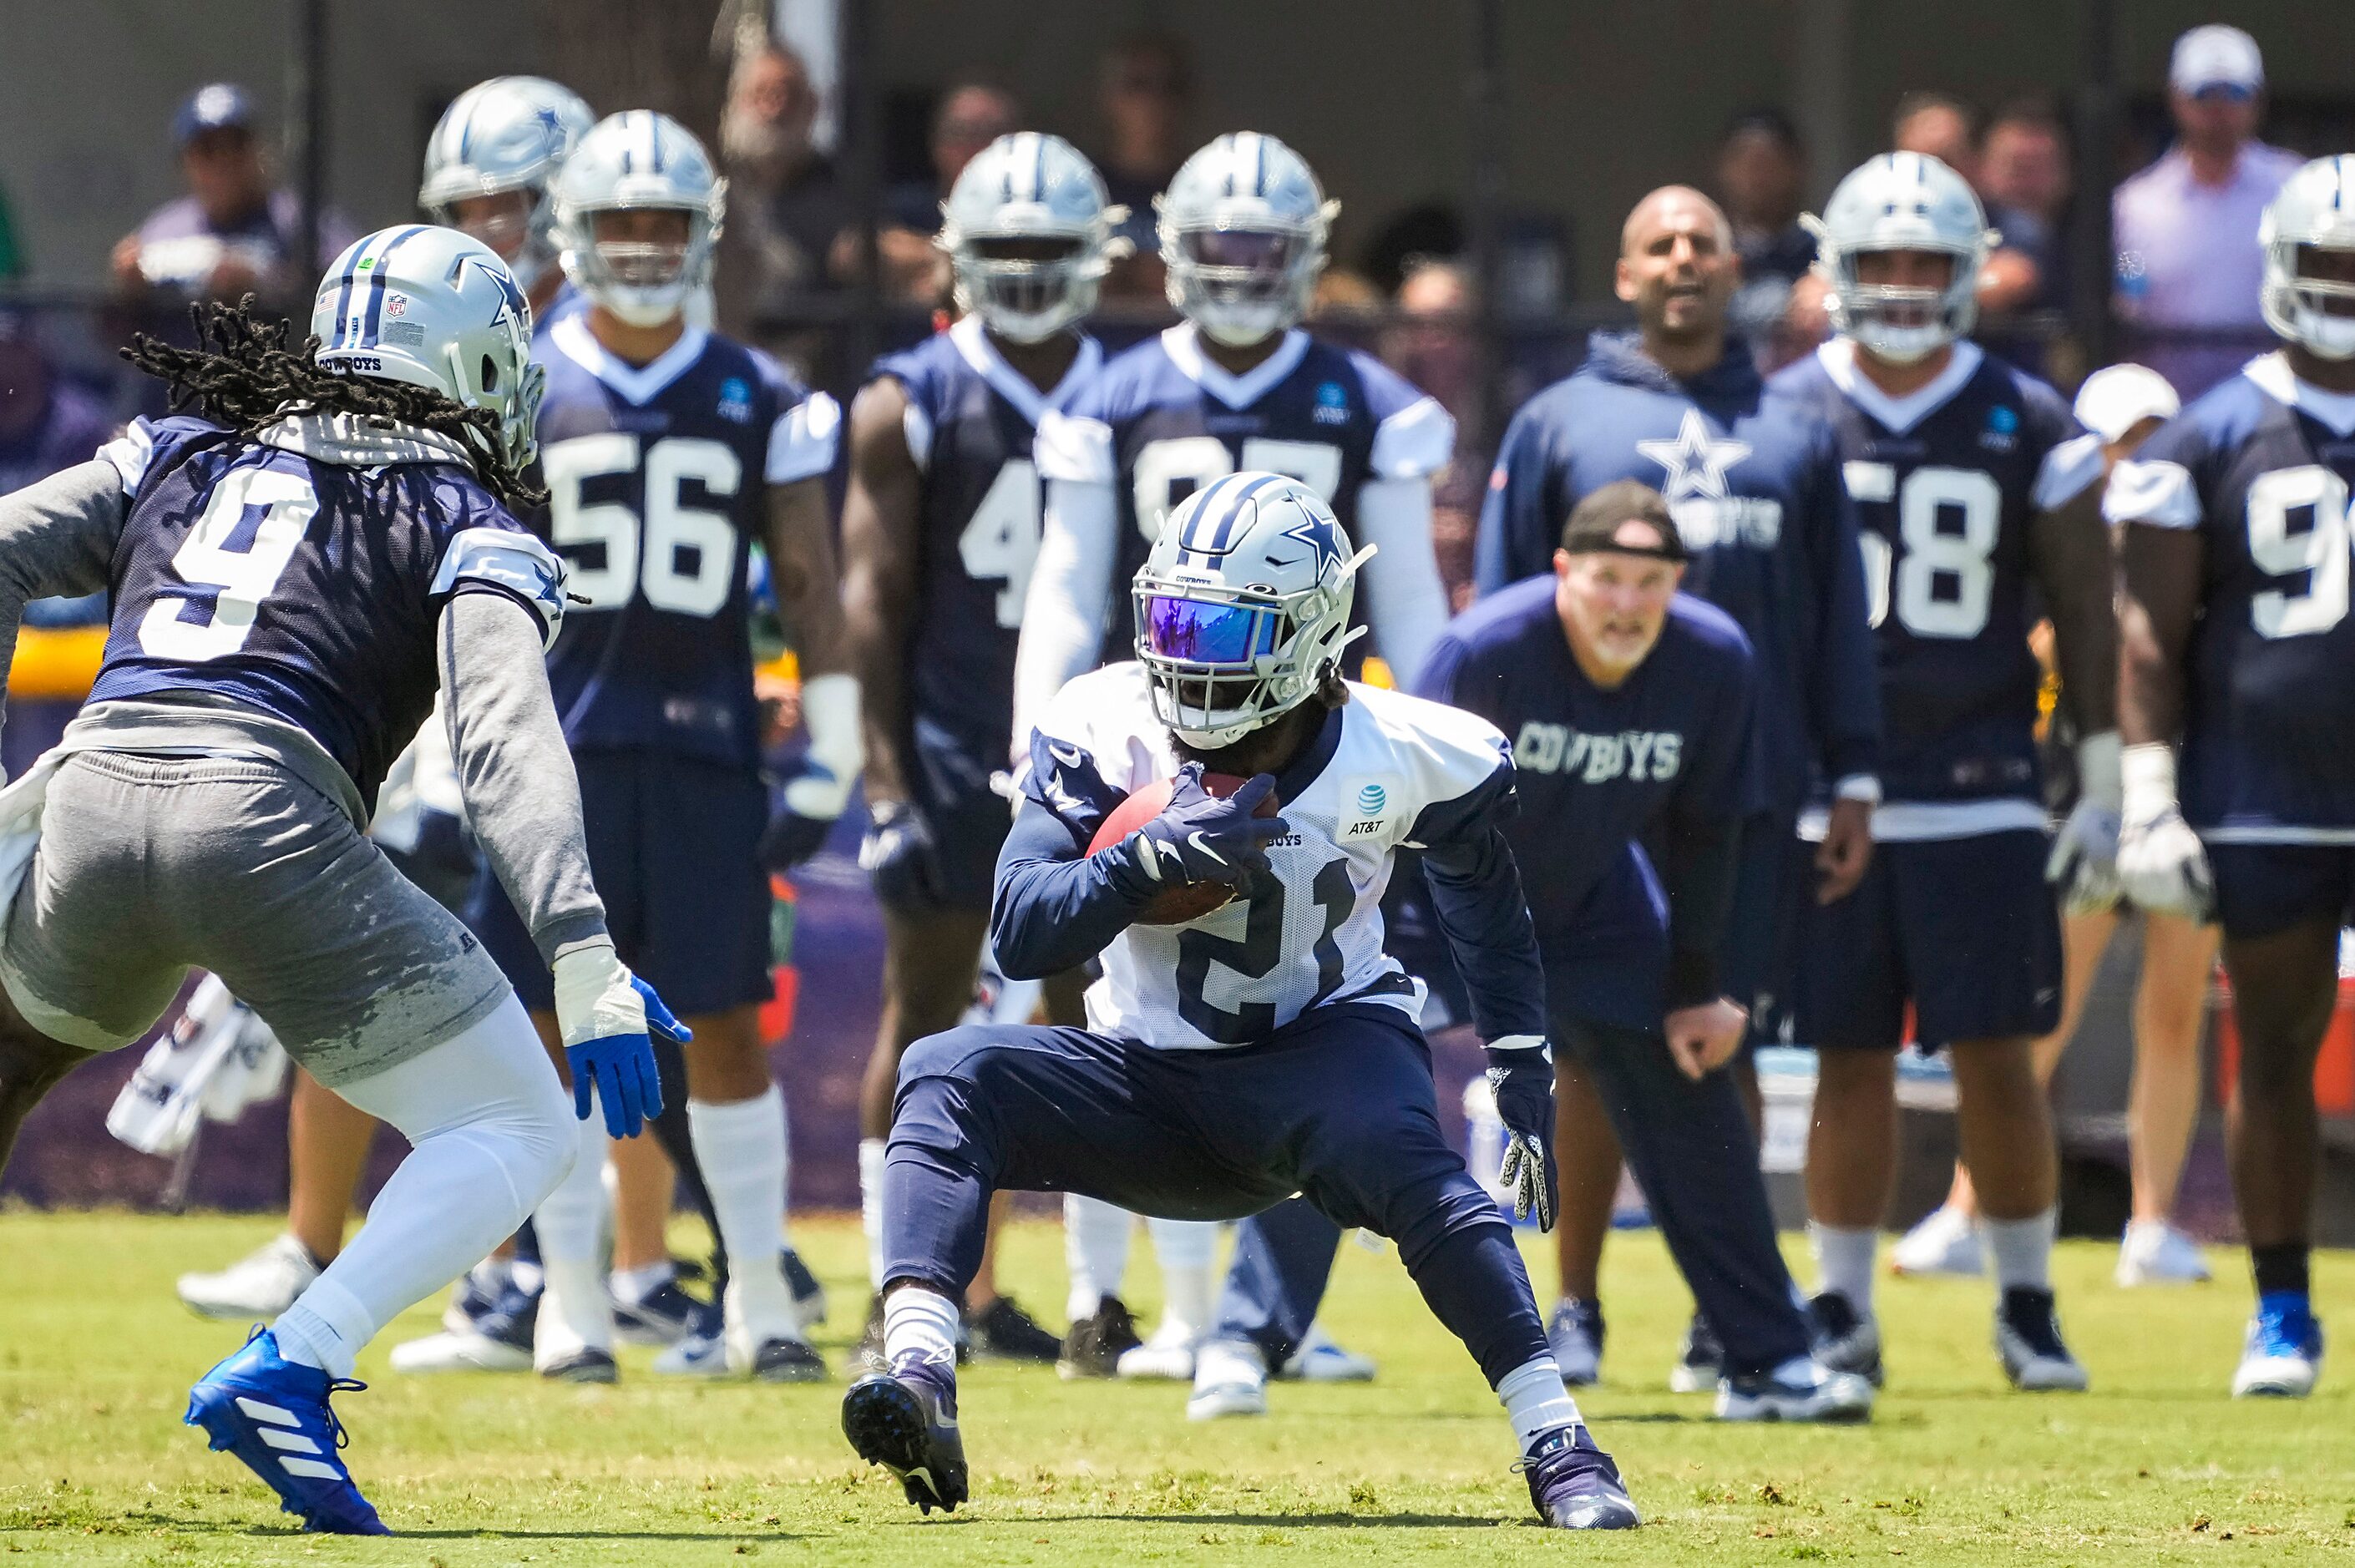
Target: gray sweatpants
x=150 y=866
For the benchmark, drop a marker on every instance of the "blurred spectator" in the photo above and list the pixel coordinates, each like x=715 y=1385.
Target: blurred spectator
x=2024 y=177
x=1146 y=95
x=1943 y=127
x=1762 y=166
x=1344 y=298
x=231 y=234
x=785 y=206
x=46 y=423
x=2185 y=228
x=970 y=117
x=1433 y=346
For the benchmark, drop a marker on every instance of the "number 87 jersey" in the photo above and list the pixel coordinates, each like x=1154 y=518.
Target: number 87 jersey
x=659 y=478
x=2261 y=468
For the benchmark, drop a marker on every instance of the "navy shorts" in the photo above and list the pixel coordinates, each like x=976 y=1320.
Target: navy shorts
x=672 y=847
x=1965 y=928
x=950 y=776
x=1337 y=1107
x=2265 y=888
x=1772 y=887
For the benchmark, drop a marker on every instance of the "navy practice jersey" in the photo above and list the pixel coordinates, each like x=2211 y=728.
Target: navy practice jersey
x=1599 y=771
x=2261 y=467
x=1753 y=482
x=302 y=590
x=1946 y=483
x=657 y=482
x=1163 y=420
x=971 y=421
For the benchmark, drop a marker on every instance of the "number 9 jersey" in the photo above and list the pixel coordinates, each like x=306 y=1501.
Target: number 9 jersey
x=1386 y=770
x=2261 y=466
x=658 y=480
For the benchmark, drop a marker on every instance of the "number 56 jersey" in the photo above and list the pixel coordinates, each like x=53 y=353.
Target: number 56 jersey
x=1387 y=769
x=2261 y=466
x=659 y=478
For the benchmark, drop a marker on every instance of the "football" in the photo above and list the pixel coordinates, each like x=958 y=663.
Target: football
x=1191 y=902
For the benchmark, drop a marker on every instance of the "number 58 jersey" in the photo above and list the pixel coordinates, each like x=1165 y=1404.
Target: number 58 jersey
x=1386 y=770
x=2261 y=466
x=657 y=478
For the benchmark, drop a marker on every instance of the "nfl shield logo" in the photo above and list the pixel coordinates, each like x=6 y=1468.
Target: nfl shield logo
x=396 y=305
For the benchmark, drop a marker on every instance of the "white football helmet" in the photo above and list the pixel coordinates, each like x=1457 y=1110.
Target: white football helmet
x=1028 y=188
x=1902 y=201
x=437 y=309
x=509 y=133
x=2315 y=209
x=638 y=159
x=1243 y=605
x=1242 y=234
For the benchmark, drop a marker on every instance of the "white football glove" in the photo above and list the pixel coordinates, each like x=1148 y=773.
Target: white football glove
x=2161 y=866
x=2084 y=860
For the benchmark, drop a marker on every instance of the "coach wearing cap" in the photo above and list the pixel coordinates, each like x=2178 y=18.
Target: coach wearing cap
x=2187 y=258
x=1628 y=707
x=231 y=234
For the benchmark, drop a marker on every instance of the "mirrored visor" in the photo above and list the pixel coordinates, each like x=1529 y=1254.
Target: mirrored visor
x=1203 y=633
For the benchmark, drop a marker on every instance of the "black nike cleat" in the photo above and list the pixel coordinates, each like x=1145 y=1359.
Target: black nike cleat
x=788 y=1361
x=1093 y=1346
x=1003 y=1328
x=1574 y=1483
x=906 y=1422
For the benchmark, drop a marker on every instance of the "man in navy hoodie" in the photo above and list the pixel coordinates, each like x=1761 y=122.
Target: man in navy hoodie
x=1754 y=483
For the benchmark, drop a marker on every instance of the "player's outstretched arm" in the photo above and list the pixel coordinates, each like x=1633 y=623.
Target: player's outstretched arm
x=802 y=566
x=879 y=551
x=57 y=536
x=1057 y=905
x=1064 y=612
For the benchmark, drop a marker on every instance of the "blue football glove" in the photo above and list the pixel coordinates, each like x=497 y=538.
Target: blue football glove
x=1520 y=1075
x=1199 y=837
x=900 y=855
x=608 y=1016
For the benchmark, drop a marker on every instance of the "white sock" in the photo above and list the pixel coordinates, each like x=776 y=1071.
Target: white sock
x=1095 y=1251
x=490 y=1133
x=920 y=1322
x=574 y=1314
x=1844 y=1261
x=1535 y=1400
x=785 y=1182
x=1184 y=1249
x=742 y=1147
x=2022 y=1250
x=634 y=1285
x=870 y=1205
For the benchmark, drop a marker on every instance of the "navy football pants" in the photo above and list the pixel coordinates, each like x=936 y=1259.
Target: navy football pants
x=1338 y=1107
x=1690 y=1146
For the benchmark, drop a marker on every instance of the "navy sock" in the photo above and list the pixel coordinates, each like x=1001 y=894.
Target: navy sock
x=2281 y=1266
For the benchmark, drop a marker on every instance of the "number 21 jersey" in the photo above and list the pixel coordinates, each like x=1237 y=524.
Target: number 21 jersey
x=1386 y=770
x=658 y=480
x=2261 y=467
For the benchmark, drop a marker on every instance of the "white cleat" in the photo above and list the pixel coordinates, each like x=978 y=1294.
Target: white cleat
x=1167 y=1357
x=1944 y=1241
x=1230 y=1379
x=260 y=1285
x=460 y=1350
x=1319 y=1360
x=2283 y=1355
x=2155 y=1253
x=695 y=1355
x=1798 y=1390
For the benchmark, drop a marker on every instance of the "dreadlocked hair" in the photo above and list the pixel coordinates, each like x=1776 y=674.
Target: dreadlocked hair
x=241 y=374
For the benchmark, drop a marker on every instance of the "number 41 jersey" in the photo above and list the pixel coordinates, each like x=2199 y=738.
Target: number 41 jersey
x=1946 y=483
x=2261 y=467
x=657 y=478
x=1386 y=770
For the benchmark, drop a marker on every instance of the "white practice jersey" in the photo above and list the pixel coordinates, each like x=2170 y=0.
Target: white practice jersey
x=1387 y=770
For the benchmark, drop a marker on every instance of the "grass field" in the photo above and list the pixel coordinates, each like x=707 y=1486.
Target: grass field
x=2155 y=1465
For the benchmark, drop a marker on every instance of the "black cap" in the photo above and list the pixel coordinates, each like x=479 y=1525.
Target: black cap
x=1627 y=517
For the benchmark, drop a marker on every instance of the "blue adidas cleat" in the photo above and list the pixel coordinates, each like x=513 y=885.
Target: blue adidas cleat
x=2283 y=1355
x=905 y=1420
x=272 y=1415
x=1574 y=1483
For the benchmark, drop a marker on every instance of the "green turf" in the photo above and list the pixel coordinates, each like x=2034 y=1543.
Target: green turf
x=2155 y=1465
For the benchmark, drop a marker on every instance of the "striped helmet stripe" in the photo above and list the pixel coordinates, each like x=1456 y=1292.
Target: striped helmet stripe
x=375 y=280
x=347 y=323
